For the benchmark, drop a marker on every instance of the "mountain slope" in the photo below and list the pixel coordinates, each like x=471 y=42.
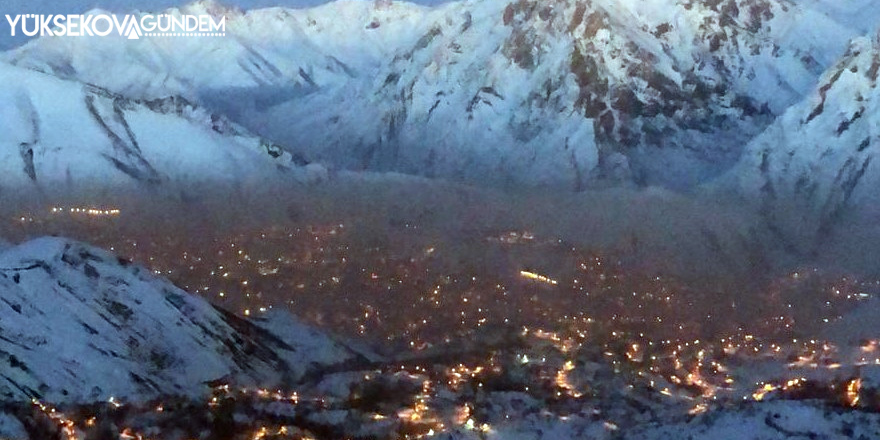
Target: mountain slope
x=568 y=94
x=287 y=50
x=59 y=136
x=818 y=161
x=80 y=325
x=860 y=15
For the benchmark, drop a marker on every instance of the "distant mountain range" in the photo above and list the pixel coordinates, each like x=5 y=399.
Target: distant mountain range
x=570 y=95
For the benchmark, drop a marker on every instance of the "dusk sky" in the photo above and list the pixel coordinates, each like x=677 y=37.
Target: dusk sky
x=13 y=7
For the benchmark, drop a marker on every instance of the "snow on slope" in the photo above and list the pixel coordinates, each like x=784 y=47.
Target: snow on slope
x=77 y=324
x=60 y=136
x=767 y=421
x=772 y=420
x=362 y=34
x=861 y=15
x=566 y=94
x=818 y=161
x=570 y=93
x=290 y=50
x=11 y=428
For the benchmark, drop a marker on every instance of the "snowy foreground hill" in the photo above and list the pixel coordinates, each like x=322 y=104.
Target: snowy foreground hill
x=80 y=325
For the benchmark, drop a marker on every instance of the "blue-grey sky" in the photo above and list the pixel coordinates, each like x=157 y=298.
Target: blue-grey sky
x=13 y=7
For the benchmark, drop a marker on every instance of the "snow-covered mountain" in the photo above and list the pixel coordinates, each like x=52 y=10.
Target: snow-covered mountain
x=818 y=161
x=566 y=94
x=569 y=95
x=274 y=49
x=78 y=324
x=60 y=136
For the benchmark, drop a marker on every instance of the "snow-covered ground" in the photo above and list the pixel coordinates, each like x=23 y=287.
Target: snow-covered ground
x=773 y=420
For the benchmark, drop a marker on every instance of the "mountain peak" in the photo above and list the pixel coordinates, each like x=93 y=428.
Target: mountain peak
x=214 y=8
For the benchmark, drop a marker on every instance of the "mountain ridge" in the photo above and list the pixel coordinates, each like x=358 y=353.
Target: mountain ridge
x=61 y=137
x=569 y=95
x=81 y=325
x=816 y=164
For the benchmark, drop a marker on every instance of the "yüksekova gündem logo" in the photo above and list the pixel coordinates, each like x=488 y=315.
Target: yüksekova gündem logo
x=131 y=26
